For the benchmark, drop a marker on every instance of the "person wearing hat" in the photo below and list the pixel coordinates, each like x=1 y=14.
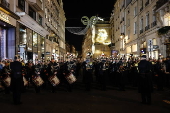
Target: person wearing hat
x=145 y=86
x=16 y=80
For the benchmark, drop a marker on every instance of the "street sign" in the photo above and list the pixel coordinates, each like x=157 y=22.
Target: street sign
x=150 y=42
x=150 y=45
x=155 y=46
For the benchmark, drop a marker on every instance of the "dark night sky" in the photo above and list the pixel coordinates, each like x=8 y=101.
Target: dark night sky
x=76 y=9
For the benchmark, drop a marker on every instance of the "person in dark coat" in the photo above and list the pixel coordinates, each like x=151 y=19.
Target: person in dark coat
x=145 y=86
x=44 y=75
x=103 y=73
x=160 y=74
x=16 y=80
x=88 y=74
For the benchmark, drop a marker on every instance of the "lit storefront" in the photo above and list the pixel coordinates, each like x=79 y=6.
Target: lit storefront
x=31 y=44
x=7 y=32
x=134 y=50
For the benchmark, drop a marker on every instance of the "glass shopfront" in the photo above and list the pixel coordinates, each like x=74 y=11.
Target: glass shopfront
x=31 y=44
x=2 y=43
x=22 y=42
x=7 y=41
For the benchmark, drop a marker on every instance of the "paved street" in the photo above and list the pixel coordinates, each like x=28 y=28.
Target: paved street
x=81 y=101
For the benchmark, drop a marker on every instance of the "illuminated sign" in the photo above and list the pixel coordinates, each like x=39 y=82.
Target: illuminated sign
x=4 y=16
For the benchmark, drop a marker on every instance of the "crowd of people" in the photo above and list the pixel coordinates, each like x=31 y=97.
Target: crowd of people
x=17 y=76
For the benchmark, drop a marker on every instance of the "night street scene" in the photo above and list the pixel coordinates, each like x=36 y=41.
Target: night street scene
x=85 y=56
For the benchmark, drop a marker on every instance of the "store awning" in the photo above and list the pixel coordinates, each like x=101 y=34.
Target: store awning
x=29 y=22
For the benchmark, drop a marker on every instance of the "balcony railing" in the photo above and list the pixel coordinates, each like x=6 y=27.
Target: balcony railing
x=4 y=3
x=147 y=27
x=160 y=3
x=153 y=24
x=141 y=31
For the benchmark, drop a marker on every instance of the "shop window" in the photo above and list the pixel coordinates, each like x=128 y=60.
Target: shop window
x=29 y=39
x=21 y=4
x=35 y=37
x=22 y=34
x=32 y=13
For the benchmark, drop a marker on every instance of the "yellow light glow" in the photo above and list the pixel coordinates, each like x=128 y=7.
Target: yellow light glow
x=102 y=36
x=4 y=16
x=97 y=51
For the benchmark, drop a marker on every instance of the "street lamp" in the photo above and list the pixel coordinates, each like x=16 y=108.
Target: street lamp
x=121 y=35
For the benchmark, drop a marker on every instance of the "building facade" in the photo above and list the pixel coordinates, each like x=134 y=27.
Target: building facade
x=135 y=28
x=163 y=22
x=55 y=24
x=30 y=29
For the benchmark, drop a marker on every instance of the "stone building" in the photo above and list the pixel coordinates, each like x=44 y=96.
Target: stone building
x=135 y=28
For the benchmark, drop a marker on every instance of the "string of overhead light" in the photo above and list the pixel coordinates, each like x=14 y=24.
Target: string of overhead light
x=86 y=21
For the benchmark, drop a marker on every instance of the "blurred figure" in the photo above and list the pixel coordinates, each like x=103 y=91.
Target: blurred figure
x=6 y=73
